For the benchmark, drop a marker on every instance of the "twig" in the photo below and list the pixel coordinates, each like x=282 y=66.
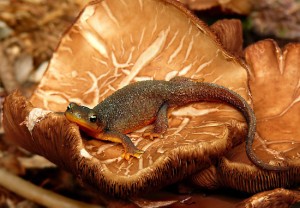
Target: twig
x=37 y=194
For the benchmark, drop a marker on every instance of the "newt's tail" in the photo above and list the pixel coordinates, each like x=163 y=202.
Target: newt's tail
x=219 y=93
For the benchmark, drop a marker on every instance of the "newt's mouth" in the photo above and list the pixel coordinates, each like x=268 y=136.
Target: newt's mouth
x=81 y=122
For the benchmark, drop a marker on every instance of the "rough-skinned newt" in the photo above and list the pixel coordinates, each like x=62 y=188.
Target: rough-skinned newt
x=139 y=104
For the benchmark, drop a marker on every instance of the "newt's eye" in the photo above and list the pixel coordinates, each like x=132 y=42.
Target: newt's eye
x=71 y=105
x=93 y=118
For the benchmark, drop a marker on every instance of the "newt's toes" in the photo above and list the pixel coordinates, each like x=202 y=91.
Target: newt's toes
x=137 y=154
x=151 y=135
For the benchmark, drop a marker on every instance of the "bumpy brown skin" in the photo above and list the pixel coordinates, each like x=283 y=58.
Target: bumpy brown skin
x=141 y=103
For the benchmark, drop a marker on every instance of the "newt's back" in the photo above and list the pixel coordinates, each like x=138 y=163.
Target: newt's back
x=137 y=104
x=133 y=106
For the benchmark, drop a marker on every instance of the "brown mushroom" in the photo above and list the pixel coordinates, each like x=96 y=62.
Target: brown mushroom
x=276 y=198
x=112 y=44
x=279 y=197
x=274 y=82
x=236 y=6
x=230 y=33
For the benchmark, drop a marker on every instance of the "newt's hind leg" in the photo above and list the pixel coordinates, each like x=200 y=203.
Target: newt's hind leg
x=160 y=124
x=130 y=148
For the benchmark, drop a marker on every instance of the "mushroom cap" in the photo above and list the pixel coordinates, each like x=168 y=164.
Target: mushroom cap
x=112 y=44
x=279 y=197
x=240 y=7
x=275 y=198
x=230 y=34
x=274 y=82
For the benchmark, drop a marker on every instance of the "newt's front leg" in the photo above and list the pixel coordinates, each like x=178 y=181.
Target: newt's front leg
x=114 y=136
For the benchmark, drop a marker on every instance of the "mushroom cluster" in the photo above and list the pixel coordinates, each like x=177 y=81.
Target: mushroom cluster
x=116 y=42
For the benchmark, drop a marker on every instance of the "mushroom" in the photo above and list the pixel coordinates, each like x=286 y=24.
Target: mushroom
x=230 y=34
x=275 y=198
x=114 y=43
x=279 y=197
x=240 y=7
x=274 y=82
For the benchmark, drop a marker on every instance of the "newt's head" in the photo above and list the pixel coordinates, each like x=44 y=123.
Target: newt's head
x=84 y=117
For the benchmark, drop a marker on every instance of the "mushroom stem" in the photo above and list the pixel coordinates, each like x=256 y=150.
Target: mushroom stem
x=37 y=194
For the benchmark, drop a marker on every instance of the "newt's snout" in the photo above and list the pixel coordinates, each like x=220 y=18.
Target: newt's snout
x=83 y=116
